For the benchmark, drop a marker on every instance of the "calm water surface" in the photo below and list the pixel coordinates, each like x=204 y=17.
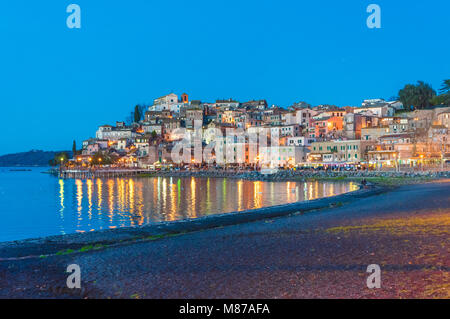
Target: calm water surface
x=33 y=204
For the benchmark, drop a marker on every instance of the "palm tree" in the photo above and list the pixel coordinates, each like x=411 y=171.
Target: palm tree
x=444 y=97
x=445 y=87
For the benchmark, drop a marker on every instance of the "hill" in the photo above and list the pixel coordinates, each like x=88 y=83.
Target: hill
x=31 y=158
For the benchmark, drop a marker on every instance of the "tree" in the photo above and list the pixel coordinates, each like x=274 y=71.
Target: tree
x=154 y=135
x=142 y=109
x=445 y=93
x=74 y=148
x=445 y=87
x=417 y=96
x=444 y=97
x=60 y=158
x=137 y=114
x=103 y=159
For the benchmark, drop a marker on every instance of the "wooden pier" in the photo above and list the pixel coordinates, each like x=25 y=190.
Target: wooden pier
x=101 y=173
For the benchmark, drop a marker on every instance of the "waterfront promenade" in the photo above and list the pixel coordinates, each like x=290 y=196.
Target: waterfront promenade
x=249 y=174
x=321 y=254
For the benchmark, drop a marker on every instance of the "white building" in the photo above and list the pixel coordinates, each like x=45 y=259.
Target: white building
x=286 y=130
x=301 y=117
x=169 y=102
x=378 y=107
x=299 y=141
x=107 y=132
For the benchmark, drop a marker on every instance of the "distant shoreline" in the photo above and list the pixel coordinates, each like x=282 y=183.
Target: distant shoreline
x=24 y=166
x=33 y=158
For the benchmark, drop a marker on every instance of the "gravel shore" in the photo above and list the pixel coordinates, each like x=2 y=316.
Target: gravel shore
x=321 y=254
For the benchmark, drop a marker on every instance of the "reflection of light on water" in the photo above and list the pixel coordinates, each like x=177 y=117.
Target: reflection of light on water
x=316 y=190
x=224 y=192
x=179 y=191
x=99 y=197
x=305 y=191
x=288 y=191
x=164 y=192
x=292 y=192
x=208 y=196
x=310 y=191
x=61 y=199
x=122 y=201
x=239 y=195
x=131 y=196
x=257 y=194
x=272 y=194
x=121 y=197
x=140 y=202
x=193 y=199
x=79 y=185
x=110 y=199
x=131 y=190
x=173 y=200
x=89 y=187
x=127 y=202
x=159 y=191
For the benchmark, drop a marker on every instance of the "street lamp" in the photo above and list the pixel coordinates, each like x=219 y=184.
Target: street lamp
x=60 y=166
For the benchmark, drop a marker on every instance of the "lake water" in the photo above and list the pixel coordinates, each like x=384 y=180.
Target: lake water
x=33 y=204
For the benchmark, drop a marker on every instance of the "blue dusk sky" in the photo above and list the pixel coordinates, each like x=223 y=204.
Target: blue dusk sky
x=59 y=84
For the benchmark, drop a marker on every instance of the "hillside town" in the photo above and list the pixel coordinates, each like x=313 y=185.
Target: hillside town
x=376 y=135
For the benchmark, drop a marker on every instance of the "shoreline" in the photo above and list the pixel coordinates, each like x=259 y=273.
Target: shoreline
x=323 y=254
x=79 y=242
x=379 y=177
x=382 y=179
x=54 y=244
